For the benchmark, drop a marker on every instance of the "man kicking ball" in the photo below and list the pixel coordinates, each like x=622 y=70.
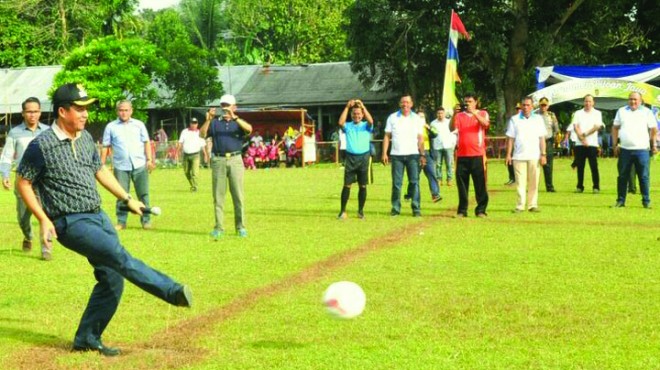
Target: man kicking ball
x=63 y=165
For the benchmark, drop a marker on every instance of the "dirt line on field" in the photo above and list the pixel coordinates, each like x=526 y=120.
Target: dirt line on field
x=175 y=347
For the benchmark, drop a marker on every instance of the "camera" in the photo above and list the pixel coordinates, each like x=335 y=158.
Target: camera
x=463 y=107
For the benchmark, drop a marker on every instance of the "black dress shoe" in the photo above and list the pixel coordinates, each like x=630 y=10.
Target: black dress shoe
x=510 y=182
x=184 y=297
x=100 y=348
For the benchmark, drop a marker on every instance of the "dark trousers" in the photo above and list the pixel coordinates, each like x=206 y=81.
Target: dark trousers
x=640 y=160
x=547 y=169
x=93 y=236
x=474 y=167
x=140 y=178
x=582 y=153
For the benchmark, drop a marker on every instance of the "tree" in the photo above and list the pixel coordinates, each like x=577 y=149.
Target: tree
x=189 y=79
x=286 y=32
x=402 y=43
x=113 y=70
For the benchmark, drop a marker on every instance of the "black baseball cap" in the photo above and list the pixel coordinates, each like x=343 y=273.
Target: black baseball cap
x=71 y=93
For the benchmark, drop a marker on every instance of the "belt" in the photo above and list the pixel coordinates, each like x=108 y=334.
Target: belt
x=227 y=155
x=191 y=153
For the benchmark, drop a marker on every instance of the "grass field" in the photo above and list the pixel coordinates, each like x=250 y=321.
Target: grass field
x=576 y=286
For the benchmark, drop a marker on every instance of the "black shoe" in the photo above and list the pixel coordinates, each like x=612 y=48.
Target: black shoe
x=510 y=182
x=647 y=205
x=619 y=205
x=578 y=190
x=407 y=198
x=184 y=297
x=100 y=348
x=417 y=214
x=436 y=198
x=361 y=215
x=551 y=190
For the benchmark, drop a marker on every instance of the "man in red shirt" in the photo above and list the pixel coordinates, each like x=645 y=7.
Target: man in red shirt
x=471 y=124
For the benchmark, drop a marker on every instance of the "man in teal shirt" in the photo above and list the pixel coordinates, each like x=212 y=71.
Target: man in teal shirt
x=358 y=154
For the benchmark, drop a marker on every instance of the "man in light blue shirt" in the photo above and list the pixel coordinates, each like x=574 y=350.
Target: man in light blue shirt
x=358 y=153
x=131 y=158
x=17 y=140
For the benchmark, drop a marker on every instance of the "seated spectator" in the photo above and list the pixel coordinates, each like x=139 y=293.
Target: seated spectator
x=252 y=152
x=274 y=152
x=262 y=154
x=292 y=156
x=248 y=161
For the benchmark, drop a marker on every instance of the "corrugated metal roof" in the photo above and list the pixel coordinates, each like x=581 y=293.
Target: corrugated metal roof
x=253 y=86
x=18 y=84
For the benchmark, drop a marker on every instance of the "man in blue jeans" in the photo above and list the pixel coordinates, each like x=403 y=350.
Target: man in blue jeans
x=63 y=165
x=404 y=129
x=131 y=158
x=635 y=125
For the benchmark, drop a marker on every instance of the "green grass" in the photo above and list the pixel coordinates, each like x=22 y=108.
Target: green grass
x=575 y=286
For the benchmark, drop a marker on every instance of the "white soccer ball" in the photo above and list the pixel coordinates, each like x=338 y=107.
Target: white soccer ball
x=344 y=299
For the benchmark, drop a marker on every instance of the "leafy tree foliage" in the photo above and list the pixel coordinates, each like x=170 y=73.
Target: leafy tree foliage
x=113 y=70
x=402 y=43
x=294 y=31
x=189 y=77
x=42 y=32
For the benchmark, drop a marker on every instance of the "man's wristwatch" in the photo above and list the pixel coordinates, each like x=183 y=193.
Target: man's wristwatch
x=127 y=198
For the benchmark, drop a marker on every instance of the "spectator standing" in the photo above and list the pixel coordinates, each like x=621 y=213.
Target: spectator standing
x=131 y=158
x=443 y=147
x=526 y=144
x=551 y=130
x=429 y=168
x=63 y=165
x=358 y=154
x=16 y=142
x=586 y=123
x=471 y=124
x=636 y=128
x=227 y=167
x=404 y=129
x=191 y=144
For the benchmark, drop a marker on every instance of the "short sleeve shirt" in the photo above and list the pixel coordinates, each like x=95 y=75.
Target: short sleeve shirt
x=634 y=126
x=127 y=140
x=526 y=132
x=227 y=136
x=471 y=135
x=358 y=137
x=405 y=131
x=586 y=121
x=63 y=171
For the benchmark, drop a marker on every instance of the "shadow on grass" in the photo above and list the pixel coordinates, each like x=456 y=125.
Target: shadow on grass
x=31 y=337
x=20 y=254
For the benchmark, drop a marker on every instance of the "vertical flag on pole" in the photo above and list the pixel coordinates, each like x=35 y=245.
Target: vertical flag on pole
x=456 y=27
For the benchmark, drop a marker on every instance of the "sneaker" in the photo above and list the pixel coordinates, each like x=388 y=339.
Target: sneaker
x=534 y=210
x=448 y=182
x=481 y=215
x=436 y=198
x=460 y=215
x=596 y=191
x=417 y=214
x=647 y=205
x=46 y=255
x=342 y=215
x=394 y=213
x=578 y=190
x=361 y=215
x=407 y=198
x=619 y=205
x=147 y=226
x=184 y=297
x=217 y=234
x=517 y=211
x=551 y=190
x=120 y=227
x=510 y=182
x=242 y=233
x=27 y=246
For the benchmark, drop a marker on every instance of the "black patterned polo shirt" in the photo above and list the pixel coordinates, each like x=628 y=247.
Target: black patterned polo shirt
x=63 y=172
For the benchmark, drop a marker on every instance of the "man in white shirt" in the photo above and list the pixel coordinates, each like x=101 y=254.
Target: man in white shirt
x=404 y=130
x=586 y=123
x=525 y=146
x=636 y=128
x=443 y=146
x=191 y=144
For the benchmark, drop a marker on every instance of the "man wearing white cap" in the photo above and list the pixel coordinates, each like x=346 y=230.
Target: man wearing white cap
x=227 y=133
x=190 y=143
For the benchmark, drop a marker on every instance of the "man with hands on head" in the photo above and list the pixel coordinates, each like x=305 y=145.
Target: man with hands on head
x=358 y=153
x=227 y=134
x=404 y=129
x=63 y=165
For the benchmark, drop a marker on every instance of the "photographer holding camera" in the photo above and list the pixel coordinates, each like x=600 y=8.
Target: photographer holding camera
x=227 y=135
x=471 y=124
